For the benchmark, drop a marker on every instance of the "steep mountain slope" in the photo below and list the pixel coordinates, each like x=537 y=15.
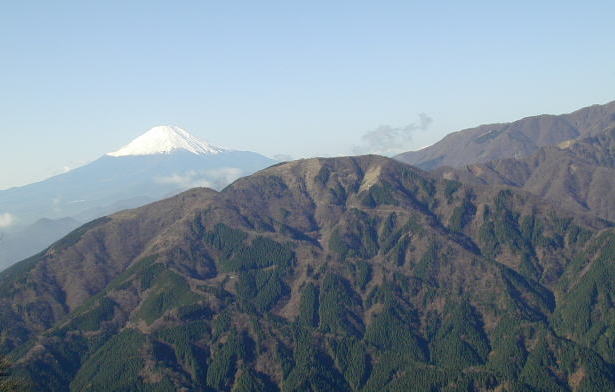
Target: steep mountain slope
x=338 y=274
x=577 y=174
x=518 y=139
x=163 y=161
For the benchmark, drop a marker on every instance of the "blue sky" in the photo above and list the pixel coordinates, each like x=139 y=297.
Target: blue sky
x=81 y=78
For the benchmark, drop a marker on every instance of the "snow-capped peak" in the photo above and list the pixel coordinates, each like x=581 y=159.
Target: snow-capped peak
x=164 y=140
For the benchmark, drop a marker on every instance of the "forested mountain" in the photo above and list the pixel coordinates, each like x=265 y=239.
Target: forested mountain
x=578 y=174
x=344 y=274
x=511 y=140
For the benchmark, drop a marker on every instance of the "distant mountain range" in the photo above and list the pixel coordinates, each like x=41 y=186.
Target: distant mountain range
x=511 y=140
x=19 y=244
x=162 y=162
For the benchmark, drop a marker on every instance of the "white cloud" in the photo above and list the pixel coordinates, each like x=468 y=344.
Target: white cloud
x=213 y=178
x=181 y=180
x=6 y=220
x=56 y=205
x=224 y=175
x=388 y=140
x=283 y=157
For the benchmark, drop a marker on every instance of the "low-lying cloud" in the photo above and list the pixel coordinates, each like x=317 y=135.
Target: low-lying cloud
x=6 y=220
x=211 y=178
x=388 y=140
x=283 y=157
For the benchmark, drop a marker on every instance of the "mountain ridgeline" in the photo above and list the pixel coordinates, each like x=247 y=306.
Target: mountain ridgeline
x=577 y=174
x=518 y=139
x=343 y=274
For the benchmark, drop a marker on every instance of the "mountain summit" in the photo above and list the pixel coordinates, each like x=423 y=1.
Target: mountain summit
x=166 y=139
x=162 y=162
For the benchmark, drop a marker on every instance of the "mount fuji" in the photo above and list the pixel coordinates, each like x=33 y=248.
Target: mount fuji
x=166 y=140
x=161 y=162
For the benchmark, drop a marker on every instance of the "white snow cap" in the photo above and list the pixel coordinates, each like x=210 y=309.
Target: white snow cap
x=166 y=139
